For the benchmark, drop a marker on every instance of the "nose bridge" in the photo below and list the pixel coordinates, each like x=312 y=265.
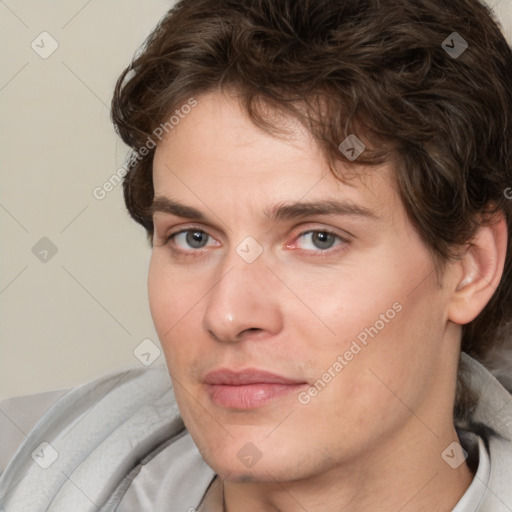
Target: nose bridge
x=241 y=298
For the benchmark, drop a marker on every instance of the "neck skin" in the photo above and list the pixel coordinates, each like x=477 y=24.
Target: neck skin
x=408 y=474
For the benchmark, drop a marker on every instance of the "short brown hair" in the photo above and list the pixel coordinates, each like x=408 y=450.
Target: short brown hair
x=378 y=69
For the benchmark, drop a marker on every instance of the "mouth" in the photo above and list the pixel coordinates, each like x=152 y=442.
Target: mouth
x=248 y=389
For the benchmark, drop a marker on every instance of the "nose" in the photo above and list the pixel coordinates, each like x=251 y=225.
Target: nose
x=244 y=303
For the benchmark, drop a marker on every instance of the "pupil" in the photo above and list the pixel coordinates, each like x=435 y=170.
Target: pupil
x=196 y=238
x=323 y=240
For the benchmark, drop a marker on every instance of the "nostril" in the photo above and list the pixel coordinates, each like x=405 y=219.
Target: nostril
x=247 y=331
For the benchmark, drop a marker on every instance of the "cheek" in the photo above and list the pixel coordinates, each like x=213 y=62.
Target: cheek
x=175 y=305
x=395 y=366
x=160 y=294
x=167 y=300
x=171 y=294
x=383 y=341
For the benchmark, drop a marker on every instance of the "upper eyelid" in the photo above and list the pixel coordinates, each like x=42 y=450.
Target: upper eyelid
x=325 y=230
x=169 y=239
x=340 y=233
x=301 y=232
x=301 y=228
x=167 y=233
x=185 y=230
x=341 y=238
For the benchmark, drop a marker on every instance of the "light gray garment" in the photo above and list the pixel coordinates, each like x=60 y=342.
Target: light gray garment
x=17 y=418
x=474 y=495
x=102 y=432
x=122 y=446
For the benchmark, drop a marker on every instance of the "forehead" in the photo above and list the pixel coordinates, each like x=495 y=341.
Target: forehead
x=217 y=154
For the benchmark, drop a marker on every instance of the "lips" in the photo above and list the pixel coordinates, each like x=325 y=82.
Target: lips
x=248 y=389
x=249 y=376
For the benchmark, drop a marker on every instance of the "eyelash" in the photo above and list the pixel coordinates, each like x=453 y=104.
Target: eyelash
x=193 y=253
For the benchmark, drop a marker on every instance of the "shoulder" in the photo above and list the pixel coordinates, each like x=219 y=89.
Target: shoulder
x=18 y=416
x=99 y=431
x=494 y=406
x=492 y=420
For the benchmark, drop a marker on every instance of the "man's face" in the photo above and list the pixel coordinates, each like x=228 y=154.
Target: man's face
x=342 y=301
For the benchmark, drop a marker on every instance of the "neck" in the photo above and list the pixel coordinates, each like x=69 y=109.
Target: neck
x=409 y=475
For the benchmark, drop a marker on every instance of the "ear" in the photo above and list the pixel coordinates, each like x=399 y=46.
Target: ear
x=478 y=273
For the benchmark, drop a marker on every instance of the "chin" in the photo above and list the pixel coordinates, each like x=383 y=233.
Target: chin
x=268 y=469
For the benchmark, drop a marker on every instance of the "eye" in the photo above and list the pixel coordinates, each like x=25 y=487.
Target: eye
x=190 y=239
x=318 y=240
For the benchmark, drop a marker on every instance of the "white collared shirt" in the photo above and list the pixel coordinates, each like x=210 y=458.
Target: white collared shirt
x=472 y=498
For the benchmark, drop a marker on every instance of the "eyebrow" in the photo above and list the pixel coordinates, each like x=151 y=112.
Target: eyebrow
x=279 y=212
x=165 y=205
x=324 y=207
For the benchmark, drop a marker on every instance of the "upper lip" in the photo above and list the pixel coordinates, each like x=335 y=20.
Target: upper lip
x=249 y=376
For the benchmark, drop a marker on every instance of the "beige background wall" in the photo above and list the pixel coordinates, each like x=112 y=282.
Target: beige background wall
x=77 y=313
x=82 y=312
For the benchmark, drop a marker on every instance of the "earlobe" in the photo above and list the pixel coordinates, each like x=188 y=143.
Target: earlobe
x=479 y=271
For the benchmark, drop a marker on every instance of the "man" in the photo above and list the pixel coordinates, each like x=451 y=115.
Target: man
x=324 y=188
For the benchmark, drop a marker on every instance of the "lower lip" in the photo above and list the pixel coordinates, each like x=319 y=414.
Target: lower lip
x=249 y=396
